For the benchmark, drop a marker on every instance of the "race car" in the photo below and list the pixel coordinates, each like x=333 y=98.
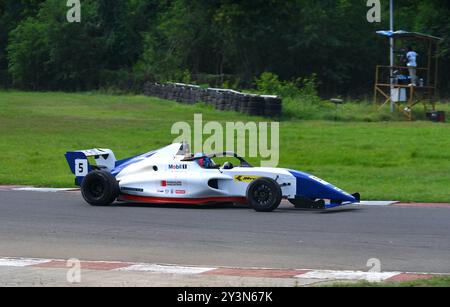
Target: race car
x=172 y=175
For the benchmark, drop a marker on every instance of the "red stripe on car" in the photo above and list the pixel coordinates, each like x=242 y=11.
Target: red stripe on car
x=187 y=201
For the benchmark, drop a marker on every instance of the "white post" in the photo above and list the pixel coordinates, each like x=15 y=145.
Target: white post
x=391 y=42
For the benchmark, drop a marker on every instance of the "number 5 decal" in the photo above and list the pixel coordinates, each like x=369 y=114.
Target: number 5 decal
x=81 y=168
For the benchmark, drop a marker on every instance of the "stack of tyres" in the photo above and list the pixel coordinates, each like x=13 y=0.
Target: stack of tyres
x=200 y=95
x=167 y=92
x=257 y=105
x=184 y=94
x=272 y=106
x=179 y=90
x=195 y=94
x=159 y=89
x=237 y=101
x=189 y=95
x=216 y=98
x=170 y=92
x=220 y=100
x=192 y=97
x=149 y=89
x=233 y=100
x=211 y=97
x=243 y=103
x=227 y=100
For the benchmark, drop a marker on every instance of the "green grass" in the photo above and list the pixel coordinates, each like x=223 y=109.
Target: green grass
x=314 y=108
x=433 y=282
x=407 y=161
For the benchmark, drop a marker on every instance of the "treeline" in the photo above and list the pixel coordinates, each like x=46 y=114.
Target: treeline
x=123 y=43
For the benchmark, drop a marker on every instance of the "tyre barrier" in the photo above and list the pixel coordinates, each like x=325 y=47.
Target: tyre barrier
x=221 y=99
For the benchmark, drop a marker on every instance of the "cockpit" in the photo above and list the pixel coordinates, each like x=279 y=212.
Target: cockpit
x=207 y=161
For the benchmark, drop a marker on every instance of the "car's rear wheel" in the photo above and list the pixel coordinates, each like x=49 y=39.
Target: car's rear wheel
x=100 y=188
x=264 y=195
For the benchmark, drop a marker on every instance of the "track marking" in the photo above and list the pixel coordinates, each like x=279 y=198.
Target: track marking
x=9 y=187
x=349 y=275
x=21 y=262
x=85 y=265
x=423 y=205
x=262 y=273
x=239 y=272
x=43 y=190
x=168 y=269
x=377 y=203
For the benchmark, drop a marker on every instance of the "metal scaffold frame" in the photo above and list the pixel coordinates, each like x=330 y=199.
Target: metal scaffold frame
x=387 y=77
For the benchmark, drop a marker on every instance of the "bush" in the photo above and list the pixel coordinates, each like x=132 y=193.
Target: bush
x=269 y=83
x=306 y=88
x=300 y=97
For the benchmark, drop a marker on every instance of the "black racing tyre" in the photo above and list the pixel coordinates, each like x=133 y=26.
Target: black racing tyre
x=264 y=195
x=100 y=188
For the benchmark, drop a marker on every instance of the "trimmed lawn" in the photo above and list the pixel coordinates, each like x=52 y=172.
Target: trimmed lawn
x=433 y=282
x=406 y=161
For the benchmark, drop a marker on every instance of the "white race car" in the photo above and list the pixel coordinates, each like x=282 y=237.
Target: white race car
x=172 y=175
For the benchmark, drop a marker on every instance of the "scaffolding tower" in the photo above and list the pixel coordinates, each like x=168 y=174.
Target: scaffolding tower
x=393 y=84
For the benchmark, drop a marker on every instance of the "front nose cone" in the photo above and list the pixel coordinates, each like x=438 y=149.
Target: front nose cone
x=315 y=188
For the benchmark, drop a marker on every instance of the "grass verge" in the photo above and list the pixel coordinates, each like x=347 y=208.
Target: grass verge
x=433 y=282
x=406 y=161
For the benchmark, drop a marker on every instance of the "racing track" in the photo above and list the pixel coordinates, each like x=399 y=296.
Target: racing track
x=62 y=226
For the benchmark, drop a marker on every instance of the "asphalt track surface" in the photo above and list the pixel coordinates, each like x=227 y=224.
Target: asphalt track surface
x=62 y=226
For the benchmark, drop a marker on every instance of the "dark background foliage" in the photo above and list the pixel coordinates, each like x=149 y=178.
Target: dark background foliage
x=123 y=43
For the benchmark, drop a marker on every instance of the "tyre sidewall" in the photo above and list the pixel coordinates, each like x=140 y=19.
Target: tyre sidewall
x=110 y=188
x=275 y=198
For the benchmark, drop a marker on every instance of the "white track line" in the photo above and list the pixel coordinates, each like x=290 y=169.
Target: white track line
x=167 y=269
x=42 y=190
x=21 y=262
x=192 y=270
x=349 y=275
x=377 y=203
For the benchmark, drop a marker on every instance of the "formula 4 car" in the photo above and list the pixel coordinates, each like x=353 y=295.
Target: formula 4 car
x=172 y=175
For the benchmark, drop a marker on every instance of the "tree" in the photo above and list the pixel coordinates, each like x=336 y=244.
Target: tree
x=206 y=40
x=47 y=52
x=11 y=13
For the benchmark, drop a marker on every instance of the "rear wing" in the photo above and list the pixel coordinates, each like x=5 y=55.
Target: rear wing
x=80 y=166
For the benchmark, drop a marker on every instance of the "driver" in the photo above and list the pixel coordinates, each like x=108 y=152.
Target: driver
x=204 y=162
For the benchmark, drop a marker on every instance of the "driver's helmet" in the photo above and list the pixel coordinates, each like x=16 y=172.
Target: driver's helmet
x=204 y=162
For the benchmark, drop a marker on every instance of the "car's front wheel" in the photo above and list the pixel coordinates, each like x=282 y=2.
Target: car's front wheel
x=100 y=188
x=264 y=195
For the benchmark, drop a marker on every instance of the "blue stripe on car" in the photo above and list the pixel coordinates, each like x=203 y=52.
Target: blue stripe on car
x=314 y=188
